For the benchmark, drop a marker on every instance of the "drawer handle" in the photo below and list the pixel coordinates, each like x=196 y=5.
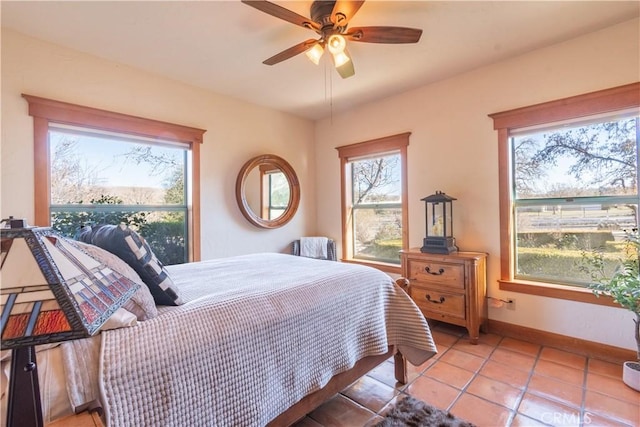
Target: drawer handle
x=434 y=301
x=428 y=270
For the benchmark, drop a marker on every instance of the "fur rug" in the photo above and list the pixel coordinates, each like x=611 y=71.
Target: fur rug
x=410 y=412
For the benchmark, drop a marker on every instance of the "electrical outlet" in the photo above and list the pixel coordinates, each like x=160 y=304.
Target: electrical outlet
x=511 y=304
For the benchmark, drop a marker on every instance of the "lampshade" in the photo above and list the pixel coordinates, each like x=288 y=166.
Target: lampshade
x=52 y=291
x=340 y=59
x=315 y=53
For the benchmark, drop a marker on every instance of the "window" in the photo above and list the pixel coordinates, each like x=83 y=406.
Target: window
x=276 y=192
x=568 y=184
x=103 y=178
x=94 y=166
x=374 y=201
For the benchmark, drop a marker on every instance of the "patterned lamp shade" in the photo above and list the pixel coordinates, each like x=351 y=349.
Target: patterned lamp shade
x=52 y=291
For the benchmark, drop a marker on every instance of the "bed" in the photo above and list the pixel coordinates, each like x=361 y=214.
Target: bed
x=258 y=340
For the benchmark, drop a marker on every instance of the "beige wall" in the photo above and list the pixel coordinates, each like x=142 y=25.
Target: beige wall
x=236 y=131
x=453 y=148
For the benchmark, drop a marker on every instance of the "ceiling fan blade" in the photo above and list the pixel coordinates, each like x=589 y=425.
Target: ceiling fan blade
x=343 y=11
x=384 y=34
x=346 y=70
x=282 y=13
x=291 y=52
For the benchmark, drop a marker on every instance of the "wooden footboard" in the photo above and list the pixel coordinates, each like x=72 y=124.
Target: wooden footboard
x=339 y=383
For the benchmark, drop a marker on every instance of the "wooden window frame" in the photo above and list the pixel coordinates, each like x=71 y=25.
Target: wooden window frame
x=593 y=103
x=45 y=111
x=394 y=143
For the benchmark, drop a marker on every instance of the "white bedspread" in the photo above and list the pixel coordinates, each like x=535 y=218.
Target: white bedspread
x=258 y=333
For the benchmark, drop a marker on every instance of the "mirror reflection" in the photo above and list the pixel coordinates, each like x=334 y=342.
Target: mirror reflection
x=267 y=191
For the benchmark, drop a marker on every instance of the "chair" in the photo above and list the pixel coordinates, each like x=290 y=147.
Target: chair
x=331 y=249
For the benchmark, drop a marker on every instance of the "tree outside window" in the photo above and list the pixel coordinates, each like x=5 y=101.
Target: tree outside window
x=377 y=208
x=102 y=179
x=374 y=201
x=576 y=190
x=568 y=182
x=95 y=166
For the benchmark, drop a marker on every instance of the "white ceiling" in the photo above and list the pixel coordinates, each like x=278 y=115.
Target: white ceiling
x=220 y=45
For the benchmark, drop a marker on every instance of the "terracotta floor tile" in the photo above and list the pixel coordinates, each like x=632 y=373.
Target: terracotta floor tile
x=433 y=392
x=307 y=422
x=556 y=390
x=389 y=406
x=417 y=370
x=506 y=374
x=441 y=350
x=373 y=421
x=589 y=419
x=370 y=393
x=562 y=357
x=560 y=372
x=522 y=421
x=463 y=360
x=548 y=411
x=612 y=387
x=443 y=338
x=513 y=359
x=341 y=412
x=495 y=391
x=608 y=369
x=490 y=339
x=519 y=346
x=480 y=349
x=480 y=412
x=385 y=373
x=449 y=374
x=609 y=407
x=502 y=381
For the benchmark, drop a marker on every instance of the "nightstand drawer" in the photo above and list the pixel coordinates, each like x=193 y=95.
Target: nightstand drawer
x=442 y=273
x=444 y=303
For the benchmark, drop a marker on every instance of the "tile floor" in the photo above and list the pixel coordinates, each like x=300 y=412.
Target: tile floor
x=499 y=382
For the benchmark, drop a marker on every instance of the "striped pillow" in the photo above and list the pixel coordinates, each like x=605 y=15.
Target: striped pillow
x=132 y=249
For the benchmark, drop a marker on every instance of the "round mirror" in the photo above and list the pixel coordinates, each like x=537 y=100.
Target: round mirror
x=267 y=191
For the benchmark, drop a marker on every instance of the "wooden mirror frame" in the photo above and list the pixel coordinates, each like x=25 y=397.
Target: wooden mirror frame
x=271 y=161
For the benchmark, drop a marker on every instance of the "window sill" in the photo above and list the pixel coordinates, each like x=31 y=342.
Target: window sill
x=549 y=290
x=382 y=266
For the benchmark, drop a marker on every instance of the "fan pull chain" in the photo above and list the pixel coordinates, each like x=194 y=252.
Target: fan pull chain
x=331 y=98
x=328 y=89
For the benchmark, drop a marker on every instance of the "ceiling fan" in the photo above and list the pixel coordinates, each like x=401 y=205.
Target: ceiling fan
x=330 y=20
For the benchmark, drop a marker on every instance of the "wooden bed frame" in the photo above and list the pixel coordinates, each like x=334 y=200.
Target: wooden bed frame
x=338 y=383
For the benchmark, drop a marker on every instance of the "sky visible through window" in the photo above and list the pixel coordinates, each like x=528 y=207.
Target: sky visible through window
x=108 y=160
x=583 y=160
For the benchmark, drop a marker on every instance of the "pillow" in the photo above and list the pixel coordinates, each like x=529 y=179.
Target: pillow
x=122 y=318
x=132 y=249
x=141 y=304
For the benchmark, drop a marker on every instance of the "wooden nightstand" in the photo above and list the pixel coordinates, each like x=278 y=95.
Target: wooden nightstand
x=449 y=288
x=83 y=419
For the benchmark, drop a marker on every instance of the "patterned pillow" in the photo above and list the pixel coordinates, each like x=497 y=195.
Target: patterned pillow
x=141 y=303
x=132 y=249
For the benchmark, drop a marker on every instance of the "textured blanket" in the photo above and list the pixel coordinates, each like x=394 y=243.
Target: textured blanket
x=258 y=333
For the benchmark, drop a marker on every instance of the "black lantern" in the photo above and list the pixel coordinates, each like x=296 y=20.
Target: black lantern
x=439 y=215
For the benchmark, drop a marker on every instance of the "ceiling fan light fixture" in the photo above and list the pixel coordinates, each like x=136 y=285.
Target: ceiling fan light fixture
x=315 y=53
x=340 y=58
x=336 y=44
x=330 y=19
